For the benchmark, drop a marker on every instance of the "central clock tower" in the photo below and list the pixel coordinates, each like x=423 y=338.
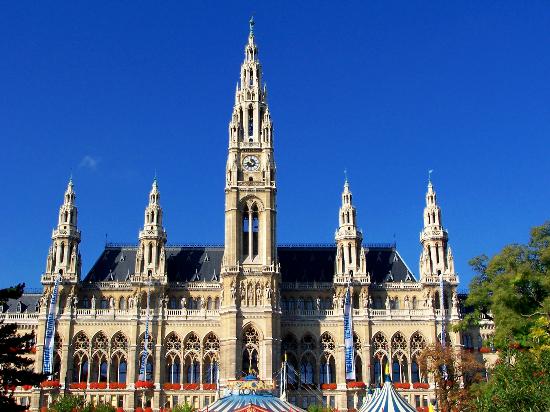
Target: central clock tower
x=250 y=172
x=250 y=274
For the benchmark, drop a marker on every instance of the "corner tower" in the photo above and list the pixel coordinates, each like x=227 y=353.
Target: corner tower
x=250 y=173
x=350 y=255
x=151 y=253
x=436 y=257
x=64 y=256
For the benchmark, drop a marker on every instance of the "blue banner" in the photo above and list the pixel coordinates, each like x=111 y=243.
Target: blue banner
x=145 y=354
x=49 y=339
x=348 y=337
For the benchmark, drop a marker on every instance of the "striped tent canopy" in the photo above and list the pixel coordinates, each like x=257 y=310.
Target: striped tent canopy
x=244 y=397
x=387 y=400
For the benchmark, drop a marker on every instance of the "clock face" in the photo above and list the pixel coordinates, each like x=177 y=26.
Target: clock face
x=251 y=163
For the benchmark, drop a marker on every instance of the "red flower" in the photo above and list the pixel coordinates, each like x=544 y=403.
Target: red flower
x=191 y=386
x=98 y=385
x=402 y=385
x=120 y=409
x=420 y=385
x=78 y=385
x=139 y=409
x=171 y=386
x=356 y=385
x=148 y=409
x=144 y=385
x=328 y=386
x=33 y=349
x=485 y=350
x=209 y=386
x=27 y=387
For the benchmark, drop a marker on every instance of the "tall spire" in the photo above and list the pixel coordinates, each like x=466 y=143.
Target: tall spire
x=151 y=254
x=63 y=256
x=436 y=257
x=350 y=259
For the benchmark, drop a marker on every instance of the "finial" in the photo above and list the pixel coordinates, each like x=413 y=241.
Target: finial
x=430 y=176
x=251 y=25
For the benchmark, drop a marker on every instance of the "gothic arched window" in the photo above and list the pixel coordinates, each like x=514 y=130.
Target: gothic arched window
x=250 y=122
x=251 y=347
x=255 y=230
x=246 y=230
x=211 y=349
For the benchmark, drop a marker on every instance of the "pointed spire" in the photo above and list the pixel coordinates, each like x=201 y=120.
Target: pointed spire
x=154 y=195
x=69 y=193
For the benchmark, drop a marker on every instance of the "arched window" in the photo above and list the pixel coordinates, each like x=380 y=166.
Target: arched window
x=414 y=303
x=292 y=370
x=307 y=369
x=379 y=367
x=100 y=364
x=399 y=367
x=251 y=345
x=255 y=230
x=122 y=303
x=328 y=366
x=250 y=122
x=119 y=364
x=246 y=231
x=211 y=349
x=62 y=252
x=173 y=368
x=150 y=257
x=104 y=303
x=418 y=343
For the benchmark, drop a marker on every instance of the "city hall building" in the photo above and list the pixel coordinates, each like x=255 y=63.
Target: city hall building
x=213 y=314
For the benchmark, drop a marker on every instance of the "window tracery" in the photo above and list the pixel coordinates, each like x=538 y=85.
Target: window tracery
x=398 y=342
x=379 y=342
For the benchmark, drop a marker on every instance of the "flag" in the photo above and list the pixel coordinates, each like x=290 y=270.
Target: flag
x=348 y=338
x=431 y=408
x=387 y=370
x=49 y=339
x=145 y=354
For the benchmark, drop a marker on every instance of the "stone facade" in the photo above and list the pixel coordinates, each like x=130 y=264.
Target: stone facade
x=216 y=312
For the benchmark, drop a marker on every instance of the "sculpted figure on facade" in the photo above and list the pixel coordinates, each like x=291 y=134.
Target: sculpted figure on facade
x=388 y=304
x=93 y=302
x=233 y=292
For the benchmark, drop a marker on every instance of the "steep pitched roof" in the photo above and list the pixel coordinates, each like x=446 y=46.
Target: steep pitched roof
x=299 y=263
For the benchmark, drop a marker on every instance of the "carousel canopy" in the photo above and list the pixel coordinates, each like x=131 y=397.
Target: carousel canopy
x=250 y=395
x=387 y=400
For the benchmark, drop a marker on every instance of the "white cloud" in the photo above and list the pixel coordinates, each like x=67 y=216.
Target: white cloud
x=89 y=162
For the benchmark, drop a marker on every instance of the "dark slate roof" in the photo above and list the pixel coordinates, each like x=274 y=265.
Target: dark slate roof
x=302 y=263
x=28 y=303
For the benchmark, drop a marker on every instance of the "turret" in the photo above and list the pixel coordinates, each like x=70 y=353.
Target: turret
x=436 y=257
x=151 y=254
x=350 y=255
x=63 y=256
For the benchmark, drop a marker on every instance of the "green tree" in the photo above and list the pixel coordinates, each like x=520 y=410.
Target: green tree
x=15 y=362
x=519 y=382
x=513 y=288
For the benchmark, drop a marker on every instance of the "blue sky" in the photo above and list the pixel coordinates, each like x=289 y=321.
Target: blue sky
x=112 y=91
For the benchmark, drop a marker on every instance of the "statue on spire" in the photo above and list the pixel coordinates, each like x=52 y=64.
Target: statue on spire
x=251 y=25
